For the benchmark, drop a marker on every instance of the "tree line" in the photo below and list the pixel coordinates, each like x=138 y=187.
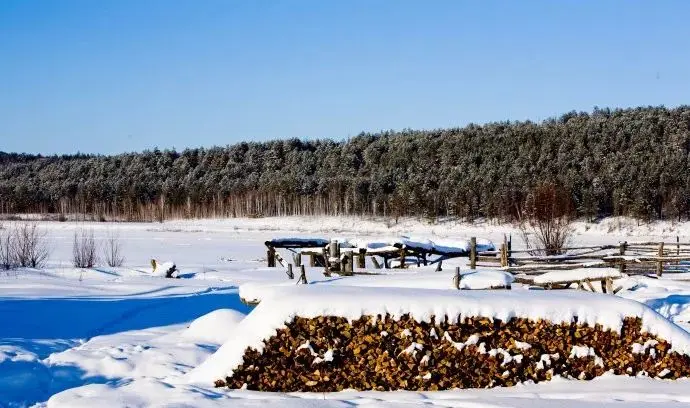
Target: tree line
x=630 y=162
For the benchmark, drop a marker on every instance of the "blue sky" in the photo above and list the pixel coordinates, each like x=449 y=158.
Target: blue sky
x=108 y=76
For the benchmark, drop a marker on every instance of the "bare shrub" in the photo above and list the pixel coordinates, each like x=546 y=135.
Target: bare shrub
x=30 y=245
x=8 y=259
x=545 y=225
x=84 y=250
x=112 y=251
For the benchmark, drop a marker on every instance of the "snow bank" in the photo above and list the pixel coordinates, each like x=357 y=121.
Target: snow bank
x=254 y=292
x=215 y=327
x=311 y=301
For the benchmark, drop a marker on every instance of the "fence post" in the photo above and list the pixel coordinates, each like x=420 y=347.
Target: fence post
x=271 y=257
x=347 y=263
x=334 y=253
x=677 y=245
x=312 y=260
x=621 y=266
x=439 y=266
x=473 y=253
x=297 y=258
x=402 y=258
x=456 y=278
x=660 y=263
x=504 y=255
x=362 y=259
x=302 y=275
x=290 y=274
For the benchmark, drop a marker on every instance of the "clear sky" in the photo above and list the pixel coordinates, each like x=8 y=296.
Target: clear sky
x=107 y=76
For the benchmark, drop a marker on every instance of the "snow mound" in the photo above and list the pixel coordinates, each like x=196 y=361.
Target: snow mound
x=161 y=269
x=311 y=301
x=215 y=327
x=485 y=279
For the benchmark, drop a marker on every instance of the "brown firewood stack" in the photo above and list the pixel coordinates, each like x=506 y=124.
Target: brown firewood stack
x=326 y=353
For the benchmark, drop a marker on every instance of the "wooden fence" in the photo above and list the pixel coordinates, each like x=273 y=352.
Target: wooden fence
x=628 y=257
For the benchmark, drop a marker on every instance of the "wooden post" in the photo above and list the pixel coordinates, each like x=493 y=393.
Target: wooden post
x=473 y=253
x=603 y=285
x=456 y=278
x=510 y=246
x=609 y=286
x=312 y=260
x=504 y=254
x=402 y=258
x=621 y=250
x=302 y=275
x=677 y=245
x=347 y=264
x=439 y=266
x=334 y=253
x=271 y=257
x=297 y=258
x=362 y=259
x=660 y=264
x=290 y=274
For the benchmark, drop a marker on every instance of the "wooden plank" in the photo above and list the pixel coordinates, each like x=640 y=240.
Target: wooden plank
x=473 y=253
x=660 y=264
x=279 y=259
x=376 y=263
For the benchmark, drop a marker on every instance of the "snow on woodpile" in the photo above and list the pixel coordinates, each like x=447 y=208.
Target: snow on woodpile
x=440 y=339
x=577 y=275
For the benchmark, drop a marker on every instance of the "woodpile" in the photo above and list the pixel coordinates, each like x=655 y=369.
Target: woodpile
x=327 y=353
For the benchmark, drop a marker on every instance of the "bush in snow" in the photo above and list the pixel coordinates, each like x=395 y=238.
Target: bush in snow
x=29 y=245
x=8 y=259
x=84 y=250
x=112 y=251
x=546 y=220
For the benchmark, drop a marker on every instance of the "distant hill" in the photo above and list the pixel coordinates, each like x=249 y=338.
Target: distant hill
x=608 y=162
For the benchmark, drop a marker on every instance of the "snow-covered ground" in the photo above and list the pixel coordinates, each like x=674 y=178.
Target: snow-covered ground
x=122 y=337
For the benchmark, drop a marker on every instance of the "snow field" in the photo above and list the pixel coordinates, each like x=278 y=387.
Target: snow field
x=115 y=336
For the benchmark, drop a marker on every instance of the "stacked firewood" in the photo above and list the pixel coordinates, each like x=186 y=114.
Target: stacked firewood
x=329 y=353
